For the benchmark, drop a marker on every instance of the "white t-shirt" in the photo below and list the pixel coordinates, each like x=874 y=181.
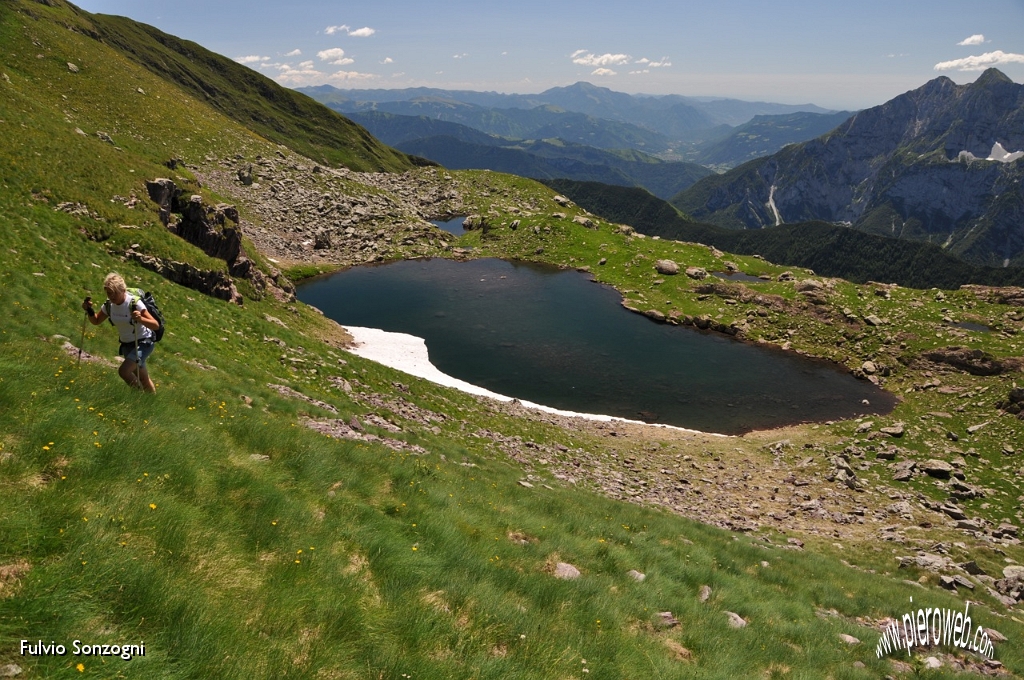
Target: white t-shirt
x=121 y=316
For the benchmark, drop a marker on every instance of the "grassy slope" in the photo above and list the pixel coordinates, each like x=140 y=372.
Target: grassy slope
x=247 y=97
x=124 y=517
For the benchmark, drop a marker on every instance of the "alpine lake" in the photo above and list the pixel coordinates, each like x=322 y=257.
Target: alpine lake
x=554 y=337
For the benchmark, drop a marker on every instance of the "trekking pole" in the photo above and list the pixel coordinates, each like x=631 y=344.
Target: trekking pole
x=82 y=342
x=138 y=362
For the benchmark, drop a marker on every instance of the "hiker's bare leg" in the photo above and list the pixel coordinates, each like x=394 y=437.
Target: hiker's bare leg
x=147 y=384
x=128 y=372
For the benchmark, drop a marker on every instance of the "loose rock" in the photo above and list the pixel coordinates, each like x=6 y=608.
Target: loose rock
x=665 y=620
x=566 y=571
x=735 y=620
x=666 y=267
x=937 y=468
x=698 y=273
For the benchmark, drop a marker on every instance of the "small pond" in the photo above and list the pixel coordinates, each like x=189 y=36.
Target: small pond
x=971 y=326
x=554 y=337
x=738 y=276
x=452 y=226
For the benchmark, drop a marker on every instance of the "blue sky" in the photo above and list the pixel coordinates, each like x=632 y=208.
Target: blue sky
x=838 y=55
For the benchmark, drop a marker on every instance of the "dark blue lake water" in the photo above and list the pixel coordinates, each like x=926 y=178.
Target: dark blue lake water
x=554 y=337
x=452 y=226
x=971 y=326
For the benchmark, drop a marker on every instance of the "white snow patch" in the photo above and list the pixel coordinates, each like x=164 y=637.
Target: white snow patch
x=771 y=204
x=998 y=153
x=408 y=353
x=1002 y=155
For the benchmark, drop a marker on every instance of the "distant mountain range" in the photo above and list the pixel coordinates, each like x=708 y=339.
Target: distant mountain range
x=675 y=118
x=764 y=135
x=581 y=132
x=940 y=164
x=464 y=148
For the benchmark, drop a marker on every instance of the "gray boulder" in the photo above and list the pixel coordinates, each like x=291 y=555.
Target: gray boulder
x=698 y=273
x=245 y=174
x=937 y=468
x=666 y=267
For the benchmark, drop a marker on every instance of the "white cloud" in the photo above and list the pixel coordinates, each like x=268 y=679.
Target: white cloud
x=306 y=64
x=460 y=56
x=633 y=73
x=289 y=75
x=975 y=39
x=603 y=72
x=251 y=59
x=585 y=58
x=388 y=60
x=333 y=53
x=335 y=57
x=351 y=75
x=294 y=53
x=655 y=64
x=981 y=62
x=364 y=32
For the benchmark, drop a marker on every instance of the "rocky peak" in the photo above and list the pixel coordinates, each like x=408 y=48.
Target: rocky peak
x=992 y=77
x=897 y=168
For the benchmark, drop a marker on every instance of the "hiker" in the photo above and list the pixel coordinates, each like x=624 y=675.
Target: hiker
x=135 y=328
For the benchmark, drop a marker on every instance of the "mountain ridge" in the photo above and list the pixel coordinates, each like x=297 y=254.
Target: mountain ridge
x=896 y=168
x=675 y=116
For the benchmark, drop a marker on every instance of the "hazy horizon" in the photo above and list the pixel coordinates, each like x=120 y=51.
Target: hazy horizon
x=833 y=55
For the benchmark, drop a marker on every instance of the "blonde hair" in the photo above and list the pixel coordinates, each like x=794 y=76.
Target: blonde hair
x=114 y=283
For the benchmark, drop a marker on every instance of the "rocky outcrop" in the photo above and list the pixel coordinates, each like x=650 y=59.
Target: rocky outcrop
x=896 y=170
x=997 y=295
x=1014 y=402
x=213 y=283
x=332 y=216
x=973 y=361
x=216 y=231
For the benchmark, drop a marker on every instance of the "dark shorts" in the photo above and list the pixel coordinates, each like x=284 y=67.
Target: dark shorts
x=127 y=350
